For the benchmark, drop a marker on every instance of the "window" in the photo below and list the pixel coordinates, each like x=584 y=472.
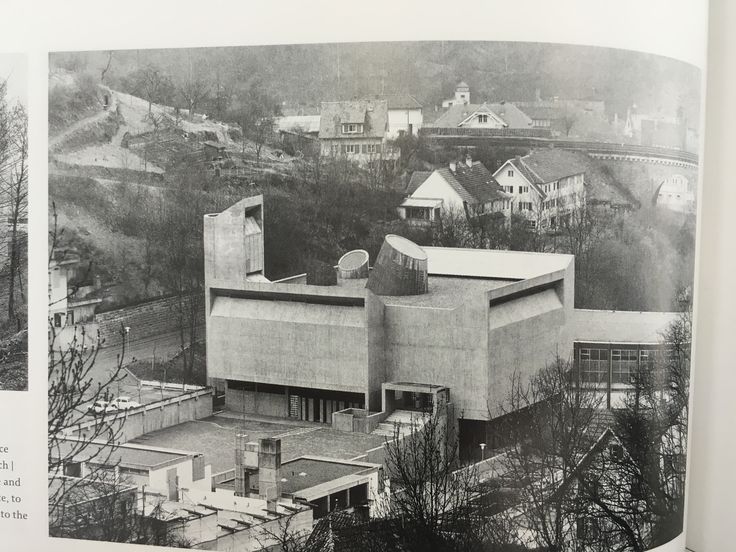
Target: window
x=482 y=118
x=57 y=320
x=623 y=365
x=352 y=128
x=371 y=148
x=510 y=172
x=593 y=365
x=525 y=206
x=523 y=189
x=352 y=148
x=508 y=189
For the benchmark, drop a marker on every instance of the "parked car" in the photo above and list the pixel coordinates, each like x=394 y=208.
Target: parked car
x=98 y=407
x=123 y=403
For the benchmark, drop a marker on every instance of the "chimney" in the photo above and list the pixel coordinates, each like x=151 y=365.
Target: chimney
x=98 y=281
x=269 y=472
x=453 y=167
x=469 y=161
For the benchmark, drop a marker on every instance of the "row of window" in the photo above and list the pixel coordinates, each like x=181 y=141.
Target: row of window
x=521 y=189
x=594 y=364
x=355 y=149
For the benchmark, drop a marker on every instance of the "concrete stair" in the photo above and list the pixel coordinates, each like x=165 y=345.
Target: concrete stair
x=404 y=420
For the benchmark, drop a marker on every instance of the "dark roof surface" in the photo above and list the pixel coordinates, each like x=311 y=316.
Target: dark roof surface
x=546 y=165
x=473 y=184
x=398 y=101
x=373 y=114
x=508 y=112
x=416 y=180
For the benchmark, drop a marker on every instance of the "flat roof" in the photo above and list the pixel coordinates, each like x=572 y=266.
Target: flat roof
x=125 y=455
x=492 y=263
x=215 y=438
x=607 y=326
x=421 y=202
x=305 y=473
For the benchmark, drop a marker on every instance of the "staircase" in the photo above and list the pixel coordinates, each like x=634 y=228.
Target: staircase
x=404 y=420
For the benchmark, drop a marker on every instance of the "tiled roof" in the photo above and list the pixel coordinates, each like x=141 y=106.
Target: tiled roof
x=551 y=164
x=373 y=114
x=416 y=180
x=473 y=184
x=398 y=101
x=507 y=112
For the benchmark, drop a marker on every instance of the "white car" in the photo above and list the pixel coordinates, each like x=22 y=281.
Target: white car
x=122 y=403
x=97 y=407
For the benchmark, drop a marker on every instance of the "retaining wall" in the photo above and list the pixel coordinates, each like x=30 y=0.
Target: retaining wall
x=188 y=407
x=156 y=317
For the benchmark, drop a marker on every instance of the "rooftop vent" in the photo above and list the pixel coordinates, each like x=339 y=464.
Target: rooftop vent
x=353 y=265
x=400 y=269
x=321 y=274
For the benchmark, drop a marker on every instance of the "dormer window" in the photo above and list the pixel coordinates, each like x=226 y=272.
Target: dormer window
x=352 y=128
x=482 y=118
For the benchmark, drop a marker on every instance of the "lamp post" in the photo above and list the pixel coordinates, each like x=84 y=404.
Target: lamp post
x=482 y=451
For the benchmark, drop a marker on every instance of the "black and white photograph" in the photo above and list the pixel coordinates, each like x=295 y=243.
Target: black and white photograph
x=364 y=297
x=14 y=223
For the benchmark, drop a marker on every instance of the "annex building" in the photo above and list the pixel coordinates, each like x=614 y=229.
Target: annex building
x=398 y=331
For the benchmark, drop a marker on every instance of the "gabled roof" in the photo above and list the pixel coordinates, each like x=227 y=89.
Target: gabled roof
x=546 y=165
x=416 y=180
x=398 y=101
x=473 y=184
x=507 y=112
x=373 y=114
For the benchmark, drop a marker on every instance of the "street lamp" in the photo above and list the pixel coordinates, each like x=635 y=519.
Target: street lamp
x=482 y=451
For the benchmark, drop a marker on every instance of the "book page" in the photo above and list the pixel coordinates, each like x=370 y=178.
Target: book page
x=353 y=277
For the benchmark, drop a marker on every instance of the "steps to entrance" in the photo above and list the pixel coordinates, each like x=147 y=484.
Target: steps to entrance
x=404 y=420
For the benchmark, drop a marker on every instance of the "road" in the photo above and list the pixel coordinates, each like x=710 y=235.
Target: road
x=163 y=346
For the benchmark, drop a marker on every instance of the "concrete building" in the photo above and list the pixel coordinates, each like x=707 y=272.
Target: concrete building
x=462 y=320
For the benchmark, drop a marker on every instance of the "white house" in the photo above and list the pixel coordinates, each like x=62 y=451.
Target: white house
x=674 y=193
x=461 y=97
x=465 y=187
x=545 y=185
x=404 y=114
x=501 y=115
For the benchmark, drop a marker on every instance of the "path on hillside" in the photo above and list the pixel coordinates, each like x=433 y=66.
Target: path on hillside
x=92 y=119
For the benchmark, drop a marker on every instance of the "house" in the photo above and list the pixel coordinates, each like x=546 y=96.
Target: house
x=357 y=130
x=548 y=184
x=461 y=97
x=503 y=115
x=71 y=297
x=675 y=194
x=404 y=114
x=465 y=187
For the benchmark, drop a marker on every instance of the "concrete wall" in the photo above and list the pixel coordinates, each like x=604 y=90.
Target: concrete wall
x=151 y=318
x=194 y=405
x=447 y=347
x=288 y=343
x=233 y=242
x=264 y=404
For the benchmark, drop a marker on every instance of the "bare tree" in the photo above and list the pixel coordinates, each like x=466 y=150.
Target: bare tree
x=14 y=202
x=434 y=495
x=76 y=380
x=545 y=428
